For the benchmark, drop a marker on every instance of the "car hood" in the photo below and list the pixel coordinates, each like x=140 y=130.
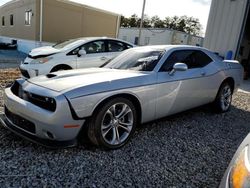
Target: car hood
x=91 y=80
x=42 y=51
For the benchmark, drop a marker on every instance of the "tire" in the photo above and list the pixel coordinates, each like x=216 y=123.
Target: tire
x=109 y=131
x=60 y=68
x=223 y=99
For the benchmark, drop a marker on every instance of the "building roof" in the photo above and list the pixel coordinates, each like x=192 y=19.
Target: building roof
x=71 y=3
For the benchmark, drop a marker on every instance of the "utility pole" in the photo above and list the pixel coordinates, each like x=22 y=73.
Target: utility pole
x=141 y=24
x=41 y=21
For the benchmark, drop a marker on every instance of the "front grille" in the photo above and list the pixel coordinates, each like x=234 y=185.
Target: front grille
x=20 y=122
x=25 y=73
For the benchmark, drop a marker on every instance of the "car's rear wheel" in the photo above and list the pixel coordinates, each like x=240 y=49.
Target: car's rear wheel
x=113 y=124
x=223 y=99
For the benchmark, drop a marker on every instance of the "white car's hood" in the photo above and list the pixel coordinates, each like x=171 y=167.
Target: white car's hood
x=86 y=78
x=45 y=50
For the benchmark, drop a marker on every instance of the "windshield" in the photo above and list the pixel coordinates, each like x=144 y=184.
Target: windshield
x=139 y=60
x=66 y=44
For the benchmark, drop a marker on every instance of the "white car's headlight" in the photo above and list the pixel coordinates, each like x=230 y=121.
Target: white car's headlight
x=240 y=172
x=42 y=60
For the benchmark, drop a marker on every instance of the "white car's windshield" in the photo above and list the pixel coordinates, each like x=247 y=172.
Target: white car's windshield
x=67 y=44
x=139 y=60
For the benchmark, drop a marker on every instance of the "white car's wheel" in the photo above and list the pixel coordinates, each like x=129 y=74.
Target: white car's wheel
x=223 y=100
x=61 y=68
x=113 y=124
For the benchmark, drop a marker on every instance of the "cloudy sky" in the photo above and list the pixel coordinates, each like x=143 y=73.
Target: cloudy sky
x=162 y=8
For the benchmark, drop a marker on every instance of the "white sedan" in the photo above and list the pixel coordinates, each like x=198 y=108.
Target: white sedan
x=72 y=54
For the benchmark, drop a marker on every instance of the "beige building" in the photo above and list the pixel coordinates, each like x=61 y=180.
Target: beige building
x=55 y=20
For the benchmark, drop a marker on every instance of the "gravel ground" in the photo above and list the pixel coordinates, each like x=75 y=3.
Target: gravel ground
x=190 y=149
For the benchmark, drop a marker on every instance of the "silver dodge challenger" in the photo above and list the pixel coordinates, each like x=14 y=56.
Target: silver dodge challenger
x=105 y=104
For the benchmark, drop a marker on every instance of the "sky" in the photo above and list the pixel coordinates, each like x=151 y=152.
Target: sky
x=162 y=8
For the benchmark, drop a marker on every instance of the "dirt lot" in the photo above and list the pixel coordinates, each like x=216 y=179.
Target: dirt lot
x=9 y=63
x=191 y=149
x=7 y=76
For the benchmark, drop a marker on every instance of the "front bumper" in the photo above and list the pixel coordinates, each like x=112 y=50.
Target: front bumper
x=50 y=128
x=45 y=142
x=33 y=70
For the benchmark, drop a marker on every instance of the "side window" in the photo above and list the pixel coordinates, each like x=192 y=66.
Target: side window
x=114 y=46
x=11 y=19
x=202 y=59
x=180 y=56
x=94 y=47
x=3 y=21
x=28 y=15
x=192 y=58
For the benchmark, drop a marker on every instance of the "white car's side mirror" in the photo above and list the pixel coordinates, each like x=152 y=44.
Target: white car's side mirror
x=178 y=67
x=82 y=53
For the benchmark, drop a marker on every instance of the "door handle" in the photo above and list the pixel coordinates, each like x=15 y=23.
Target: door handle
x=104 y=58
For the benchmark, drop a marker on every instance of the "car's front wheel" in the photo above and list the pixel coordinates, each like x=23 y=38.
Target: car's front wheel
x=223 y=99
x=60 y=68
x=113 y=124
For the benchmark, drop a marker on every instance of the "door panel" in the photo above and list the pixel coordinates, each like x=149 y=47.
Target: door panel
x=180 y=91
x=185 y=89
x=70 y=60
x=92 y=60
x=96 y=54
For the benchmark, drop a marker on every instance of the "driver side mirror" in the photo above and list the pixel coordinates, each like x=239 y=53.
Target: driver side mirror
x=81 y=53
x=178 y=67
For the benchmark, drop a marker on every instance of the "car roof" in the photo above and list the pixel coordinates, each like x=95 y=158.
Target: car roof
x=168 y=47
x=89 y=39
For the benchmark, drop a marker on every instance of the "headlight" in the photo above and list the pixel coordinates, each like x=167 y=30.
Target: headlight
x=240 y=173
x=41 y=60
x=44 y=59
x=44 y=102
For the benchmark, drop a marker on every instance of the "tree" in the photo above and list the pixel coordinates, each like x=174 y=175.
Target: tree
x=156 y=22
x=185 y=24
x=193 y=26
x=133 y=21
x=146 y=21
x=124 y=22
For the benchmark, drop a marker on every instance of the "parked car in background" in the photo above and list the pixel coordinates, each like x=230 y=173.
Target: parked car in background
x=237 y=174
x=72 y=54
x=140 y=85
